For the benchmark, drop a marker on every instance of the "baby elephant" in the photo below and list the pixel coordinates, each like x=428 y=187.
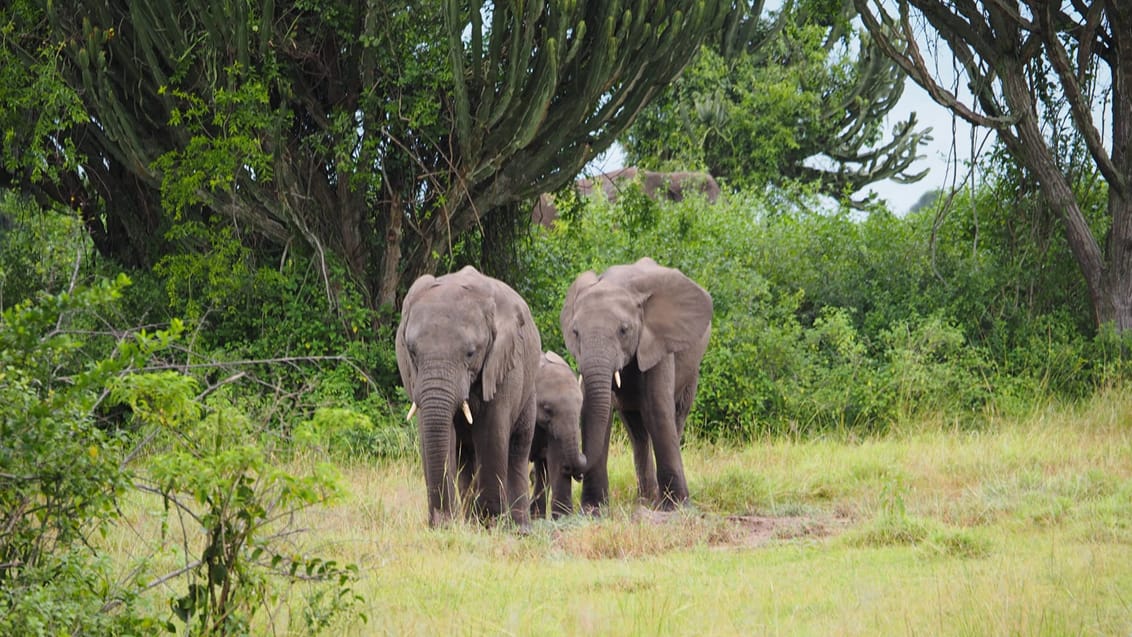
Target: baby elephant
x=555 y=448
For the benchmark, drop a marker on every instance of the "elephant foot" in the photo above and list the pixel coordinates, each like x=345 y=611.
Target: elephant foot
x=591 y=509
x=672 y=503
x=439 y=519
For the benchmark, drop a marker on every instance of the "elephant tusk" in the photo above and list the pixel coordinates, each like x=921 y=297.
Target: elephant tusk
x=579 y=380
x=617 y=378
x=467 y=411
x=412 y=410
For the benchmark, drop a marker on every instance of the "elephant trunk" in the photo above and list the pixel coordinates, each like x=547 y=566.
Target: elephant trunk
x=437 y=405
x=596 y=404
x=573 y=460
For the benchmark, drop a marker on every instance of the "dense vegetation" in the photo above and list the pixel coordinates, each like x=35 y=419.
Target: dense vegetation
x=222 y=379
x=827 y=323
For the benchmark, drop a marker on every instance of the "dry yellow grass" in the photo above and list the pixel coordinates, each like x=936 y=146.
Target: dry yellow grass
x=1018 y=528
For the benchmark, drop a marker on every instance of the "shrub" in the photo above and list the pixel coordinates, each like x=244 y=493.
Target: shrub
x=60 y=472
x=825 y=321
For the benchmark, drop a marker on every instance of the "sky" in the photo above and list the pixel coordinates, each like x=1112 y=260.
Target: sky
x=946 y=156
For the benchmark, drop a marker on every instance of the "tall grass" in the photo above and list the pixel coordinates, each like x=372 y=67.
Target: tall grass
x=1012 y=527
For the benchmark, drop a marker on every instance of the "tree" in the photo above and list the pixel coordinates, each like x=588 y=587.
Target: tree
x=798 y=99
x=1029 y=68
x=375 y=133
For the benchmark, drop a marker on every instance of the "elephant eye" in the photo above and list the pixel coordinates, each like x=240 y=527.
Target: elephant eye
x=471 y=353
x=623 y=329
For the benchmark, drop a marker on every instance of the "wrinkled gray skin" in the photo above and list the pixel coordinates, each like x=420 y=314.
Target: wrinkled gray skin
x=651 y=324
x=555 y=450
x=671 y=186
x=466 y=336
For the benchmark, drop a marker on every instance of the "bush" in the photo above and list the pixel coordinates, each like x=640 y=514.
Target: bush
x=300 y=329
x=60 y=472
x=825 y=321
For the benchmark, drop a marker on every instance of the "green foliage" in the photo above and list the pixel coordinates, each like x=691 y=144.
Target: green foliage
x=221 y=480
x=317 y=341
x=213 y=455
x=60 y=472
x=803 y=99
x=39 y=249
x=828 y=322
x=226 y=128
x=36 y=103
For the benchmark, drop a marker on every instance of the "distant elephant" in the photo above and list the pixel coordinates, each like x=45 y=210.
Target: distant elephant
x=638 y=333
x=657 y=185
x=468 y=352
x=671 y=186
x=555 y=450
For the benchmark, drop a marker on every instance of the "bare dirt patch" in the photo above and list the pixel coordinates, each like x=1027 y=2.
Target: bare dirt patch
x=746 y=531
x=753 y=531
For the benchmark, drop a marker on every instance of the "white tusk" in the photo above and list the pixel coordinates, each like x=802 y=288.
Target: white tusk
x=579 y=380
x=617 y=379
x=467 y=411
x=412 y=410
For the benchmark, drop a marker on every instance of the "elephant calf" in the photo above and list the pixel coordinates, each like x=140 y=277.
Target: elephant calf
x=555 y=449
x=468 y=352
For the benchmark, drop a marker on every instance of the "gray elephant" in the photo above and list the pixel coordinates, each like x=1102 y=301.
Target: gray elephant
x=670 y=186
x=555 y=450
x=468 y=352
x=638 y=333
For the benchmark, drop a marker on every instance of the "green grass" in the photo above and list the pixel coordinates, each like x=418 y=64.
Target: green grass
x=1014 y=528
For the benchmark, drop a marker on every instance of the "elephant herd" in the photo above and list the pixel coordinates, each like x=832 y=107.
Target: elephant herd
x=491 y=402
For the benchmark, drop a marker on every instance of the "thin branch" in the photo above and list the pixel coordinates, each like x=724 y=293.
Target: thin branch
x=1078 y=105
x=116 y=602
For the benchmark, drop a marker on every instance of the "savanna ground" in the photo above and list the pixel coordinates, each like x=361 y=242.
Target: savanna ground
x=1008 y=528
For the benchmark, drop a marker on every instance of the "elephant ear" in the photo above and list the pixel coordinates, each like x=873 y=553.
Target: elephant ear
x=677 y=312
x=554 y=359
x=566 y=318
x=511 y=329
x=404 y=361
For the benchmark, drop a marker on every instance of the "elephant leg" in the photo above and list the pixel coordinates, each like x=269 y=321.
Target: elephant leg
x=687 y=393
x=642 y=456
x=658 y=411
x=595 y=481
x=490 y=441
x=539 y=480
x=519 y=453
x=561 y=486
x=464 y=462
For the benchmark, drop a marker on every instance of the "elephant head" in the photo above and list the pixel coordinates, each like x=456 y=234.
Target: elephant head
x=555 y=451
x=638 y=333
x=468 y=350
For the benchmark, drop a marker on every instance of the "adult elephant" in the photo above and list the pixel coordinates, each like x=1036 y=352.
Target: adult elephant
x=670 y=186
x=468 y=352
x=638 y=333
x=555 y=450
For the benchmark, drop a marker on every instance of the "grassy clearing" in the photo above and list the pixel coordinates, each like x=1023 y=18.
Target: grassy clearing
x=1015 y=528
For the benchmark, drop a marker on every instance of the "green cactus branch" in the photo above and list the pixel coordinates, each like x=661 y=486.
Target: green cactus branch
x=371 y=131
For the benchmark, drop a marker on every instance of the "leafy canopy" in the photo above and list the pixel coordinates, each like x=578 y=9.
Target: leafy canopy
x=800 y=99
